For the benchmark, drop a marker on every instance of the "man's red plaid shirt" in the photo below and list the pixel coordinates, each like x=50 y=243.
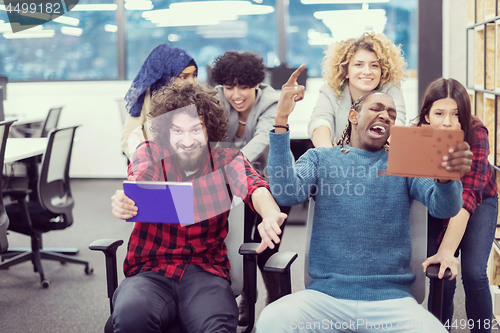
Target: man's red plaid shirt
x=169 y=248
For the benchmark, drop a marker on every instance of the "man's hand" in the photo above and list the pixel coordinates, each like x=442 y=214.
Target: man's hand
x=459 y=159
x=269 y=230
x=446 y=260
x=291 y=92
x=122 y=206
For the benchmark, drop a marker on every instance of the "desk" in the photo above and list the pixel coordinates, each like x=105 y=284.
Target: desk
x=24 y=126
x=26 y=149
x=21 y=148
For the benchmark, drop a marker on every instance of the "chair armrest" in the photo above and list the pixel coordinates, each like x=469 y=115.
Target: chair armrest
x=248 y=249
x=280 y=262
x=16 y=193
x=105 y=245
x=109 y=247
x=433 y=270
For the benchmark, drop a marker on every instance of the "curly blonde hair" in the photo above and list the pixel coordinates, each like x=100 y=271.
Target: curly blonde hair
x=336 y=61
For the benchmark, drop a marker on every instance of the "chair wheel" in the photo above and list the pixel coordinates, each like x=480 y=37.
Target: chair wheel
x=45 y=284
x=89 y=270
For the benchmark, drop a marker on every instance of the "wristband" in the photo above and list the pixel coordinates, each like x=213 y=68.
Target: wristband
x=282 y=126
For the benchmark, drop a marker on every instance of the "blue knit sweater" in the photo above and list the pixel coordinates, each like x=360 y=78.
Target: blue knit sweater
x=360 y=244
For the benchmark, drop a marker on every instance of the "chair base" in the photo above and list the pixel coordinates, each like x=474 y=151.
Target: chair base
x=35 y=258
x=13 y=251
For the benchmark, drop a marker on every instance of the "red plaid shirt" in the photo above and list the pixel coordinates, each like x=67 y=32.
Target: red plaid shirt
x=169 y=248
x=480 y=182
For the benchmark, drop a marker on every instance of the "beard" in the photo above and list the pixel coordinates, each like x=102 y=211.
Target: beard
x=193 y=159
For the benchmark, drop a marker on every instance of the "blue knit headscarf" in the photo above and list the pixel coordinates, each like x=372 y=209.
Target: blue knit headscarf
x=162 y=64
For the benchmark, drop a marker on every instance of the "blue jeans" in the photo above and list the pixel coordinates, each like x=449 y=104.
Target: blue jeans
x=200 y=302
x=313 y=311
x=475 y=249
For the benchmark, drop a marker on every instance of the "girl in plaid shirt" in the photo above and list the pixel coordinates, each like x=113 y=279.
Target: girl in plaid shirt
x=447 y=106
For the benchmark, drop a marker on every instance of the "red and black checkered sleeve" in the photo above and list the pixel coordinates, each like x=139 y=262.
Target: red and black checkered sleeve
x=145 y=163
x=243 y=179
x=475 y=181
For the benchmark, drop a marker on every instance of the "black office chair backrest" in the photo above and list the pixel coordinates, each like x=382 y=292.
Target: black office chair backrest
x=51 y=121
x=4 y=219
x=54 y=189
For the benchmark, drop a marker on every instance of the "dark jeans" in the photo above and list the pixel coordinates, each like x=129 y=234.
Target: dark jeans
x=150 y=302
x=475 y=249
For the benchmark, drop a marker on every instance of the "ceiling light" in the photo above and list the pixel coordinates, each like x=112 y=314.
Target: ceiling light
x=67 y=20
x=5 y=27
x=29 y=34
x=200 y=13
x=70 y=31
x=110 y=28
x=327 y=2
x=344 y=24
x=138 y=5
x=94 y=7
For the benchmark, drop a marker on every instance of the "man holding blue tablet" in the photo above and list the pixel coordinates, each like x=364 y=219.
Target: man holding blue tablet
x=177 y=272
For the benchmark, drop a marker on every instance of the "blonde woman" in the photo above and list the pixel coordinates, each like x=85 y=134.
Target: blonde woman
x=351 y=69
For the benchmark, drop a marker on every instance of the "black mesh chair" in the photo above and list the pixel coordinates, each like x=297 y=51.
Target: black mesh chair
x=52 y=210
x=242 y=256
x=4 y=219
x=280 y=263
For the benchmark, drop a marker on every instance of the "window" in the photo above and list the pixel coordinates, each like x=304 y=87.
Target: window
x=76 y=46
x=83 y=44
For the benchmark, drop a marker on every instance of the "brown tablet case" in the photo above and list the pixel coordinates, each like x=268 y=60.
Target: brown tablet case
x=418 y=152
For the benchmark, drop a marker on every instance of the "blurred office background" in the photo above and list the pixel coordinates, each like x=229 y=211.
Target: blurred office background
x=85 y=59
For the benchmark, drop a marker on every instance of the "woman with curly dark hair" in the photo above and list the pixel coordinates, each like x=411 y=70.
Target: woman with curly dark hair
x=250 y=104
x=251 y=108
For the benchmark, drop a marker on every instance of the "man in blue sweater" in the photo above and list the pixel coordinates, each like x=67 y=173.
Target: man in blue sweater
x=360 y=249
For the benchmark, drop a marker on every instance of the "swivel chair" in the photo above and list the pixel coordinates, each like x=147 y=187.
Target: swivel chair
x=280 y=263
x=242 y=256
x=52 y=210
x=51 y=121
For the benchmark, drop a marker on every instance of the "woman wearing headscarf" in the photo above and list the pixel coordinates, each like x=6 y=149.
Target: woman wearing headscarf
x=163 y=65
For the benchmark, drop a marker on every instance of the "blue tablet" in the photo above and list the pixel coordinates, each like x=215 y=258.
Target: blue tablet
x=161 y=202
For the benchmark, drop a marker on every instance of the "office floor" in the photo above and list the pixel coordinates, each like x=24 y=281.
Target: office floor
x=78 y=303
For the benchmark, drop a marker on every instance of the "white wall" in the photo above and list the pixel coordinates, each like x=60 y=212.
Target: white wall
x=97 y=152
x=454 y=39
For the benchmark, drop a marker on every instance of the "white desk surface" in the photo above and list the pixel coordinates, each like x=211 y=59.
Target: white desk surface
x=20 y=148
x=24 y=120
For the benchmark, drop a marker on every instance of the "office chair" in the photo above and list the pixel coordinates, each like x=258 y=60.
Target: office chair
x=50 y=123
x=4 y=219
x=280 y=74
x=52 y=210
x=242 y=257
x=280 y=262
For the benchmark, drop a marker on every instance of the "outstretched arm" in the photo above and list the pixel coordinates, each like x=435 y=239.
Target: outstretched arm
x=291 y=92
x=321 y=137
x=272 y=218
x=458 y=159
x=445 y=255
